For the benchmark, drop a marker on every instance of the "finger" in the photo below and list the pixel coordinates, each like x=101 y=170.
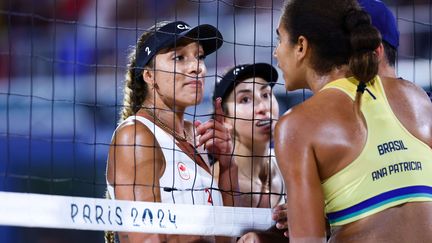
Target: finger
x=212 y=134
x=212 y=125
x=210 y=130
x=217 y=144
x=282 y=225
x=280 y=207
x=219 y=114
x=282 y=221
x=218 y=148
x=201 y=128
x=280 y=214
x=197 y=123
x=279 y=217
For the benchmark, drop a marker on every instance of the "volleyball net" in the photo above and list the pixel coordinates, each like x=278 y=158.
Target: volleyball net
x=61 y=85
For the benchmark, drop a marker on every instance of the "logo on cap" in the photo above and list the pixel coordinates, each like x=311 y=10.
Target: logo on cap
x=147 y=49
x=183 y=26
x=237 y=70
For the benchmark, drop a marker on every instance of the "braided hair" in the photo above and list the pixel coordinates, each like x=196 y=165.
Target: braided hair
x=135 y=89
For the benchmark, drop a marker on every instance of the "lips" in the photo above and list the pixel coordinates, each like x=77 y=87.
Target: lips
x=195 y=83
x=262 y=123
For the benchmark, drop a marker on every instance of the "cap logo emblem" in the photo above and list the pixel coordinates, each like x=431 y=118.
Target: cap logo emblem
x=237 y=70
x=147 y=49
x=183 y=27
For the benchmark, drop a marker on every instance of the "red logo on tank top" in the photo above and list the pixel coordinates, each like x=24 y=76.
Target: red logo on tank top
x=183 y=171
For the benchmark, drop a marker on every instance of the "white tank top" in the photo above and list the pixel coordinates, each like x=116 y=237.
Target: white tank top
x=183 y=180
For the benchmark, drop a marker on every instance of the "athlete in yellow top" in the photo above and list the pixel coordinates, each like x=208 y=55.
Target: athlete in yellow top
x=359 y=150
x=394 y=167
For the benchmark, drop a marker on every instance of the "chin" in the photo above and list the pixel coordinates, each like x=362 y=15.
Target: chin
x=289 y=87
x=292 y=87
x=194 y=100
x=262 y=138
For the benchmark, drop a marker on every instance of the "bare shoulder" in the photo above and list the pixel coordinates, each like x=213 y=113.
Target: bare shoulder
x=297 y=128
x=133 y=148
x=297 y=114
x=133 y=132
x=134 y=143
x=315 y=112
x=406 y=92
x=412 y=107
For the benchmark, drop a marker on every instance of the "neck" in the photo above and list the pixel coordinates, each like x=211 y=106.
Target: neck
x=172 y=117
x=250 y=159
x=386 y=70
x=317 y=81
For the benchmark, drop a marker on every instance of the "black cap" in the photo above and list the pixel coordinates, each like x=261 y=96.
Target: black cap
x=239 y=73
x=209 y=37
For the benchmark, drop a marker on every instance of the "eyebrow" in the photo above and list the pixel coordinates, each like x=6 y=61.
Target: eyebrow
x=250 y=91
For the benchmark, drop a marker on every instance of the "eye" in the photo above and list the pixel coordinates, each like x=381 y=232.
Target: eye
x=178 y=58
x=245 y=100
x=201 y=57
x=266 y=95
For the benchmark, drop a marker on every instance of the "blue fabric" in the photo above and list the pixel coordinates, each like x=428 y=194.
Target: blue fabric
x=383 y=19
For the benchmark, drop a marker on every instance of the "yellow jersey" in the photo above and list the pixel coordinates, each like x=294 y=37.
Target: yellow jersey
x=393 y=168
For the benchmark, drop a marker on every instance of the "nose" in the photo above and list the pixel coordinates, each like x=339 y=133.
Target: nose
x=196 y=66
x=262 y=107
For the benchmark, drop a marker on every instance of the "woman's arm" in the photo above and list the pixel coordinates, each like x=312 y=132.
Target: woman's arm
x=217 y=140
x=296 y=159
x=135 y=164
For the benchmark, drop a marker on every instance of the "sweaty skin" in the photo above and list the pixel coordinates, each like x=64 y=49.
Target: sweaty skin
x=320 y=157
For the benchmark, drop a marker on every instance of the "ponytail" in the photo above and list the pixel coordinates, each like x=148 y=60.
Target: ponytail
x=364 y=40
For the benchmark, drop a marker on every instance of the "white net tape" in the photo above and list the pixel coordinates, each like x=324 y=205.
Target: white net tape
x=48 y=211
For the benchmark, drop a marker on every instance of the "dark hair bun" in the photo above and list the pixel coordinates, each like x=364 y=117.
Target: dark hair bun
x=356 y=18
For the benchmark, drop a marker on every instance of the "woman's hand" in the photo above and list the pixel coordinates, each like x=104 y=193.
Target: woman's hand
x=215 y=137
x=279 y=215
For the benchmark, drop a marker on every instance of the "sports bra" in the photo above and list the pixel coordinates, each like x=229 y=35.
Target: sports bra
x=393 y=168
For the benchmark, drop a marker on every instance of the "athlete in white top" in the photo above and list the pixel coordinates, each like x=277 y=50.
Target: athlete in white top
x=251 y=111
x=153 y=153
x=183 y=180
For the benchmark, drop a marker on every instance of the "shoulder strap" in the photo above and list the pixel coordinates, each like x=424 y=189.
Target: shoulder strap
x=346 y=85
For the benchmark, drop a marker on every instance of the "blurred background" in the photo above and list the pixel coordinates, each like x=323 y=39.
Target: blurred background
x=62 y=65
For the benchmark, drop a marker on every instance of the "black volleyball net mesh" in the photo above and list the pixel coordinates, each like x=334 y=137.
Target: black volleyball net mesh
x=62 y=67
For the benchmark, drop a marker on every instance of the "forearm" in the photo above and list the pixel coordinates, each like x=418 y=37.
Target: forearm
x=228 y=183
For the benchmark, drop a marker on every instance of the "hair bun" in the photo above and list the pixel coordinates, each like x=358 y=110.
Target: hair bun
x=356 y=18
x=364 y=37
